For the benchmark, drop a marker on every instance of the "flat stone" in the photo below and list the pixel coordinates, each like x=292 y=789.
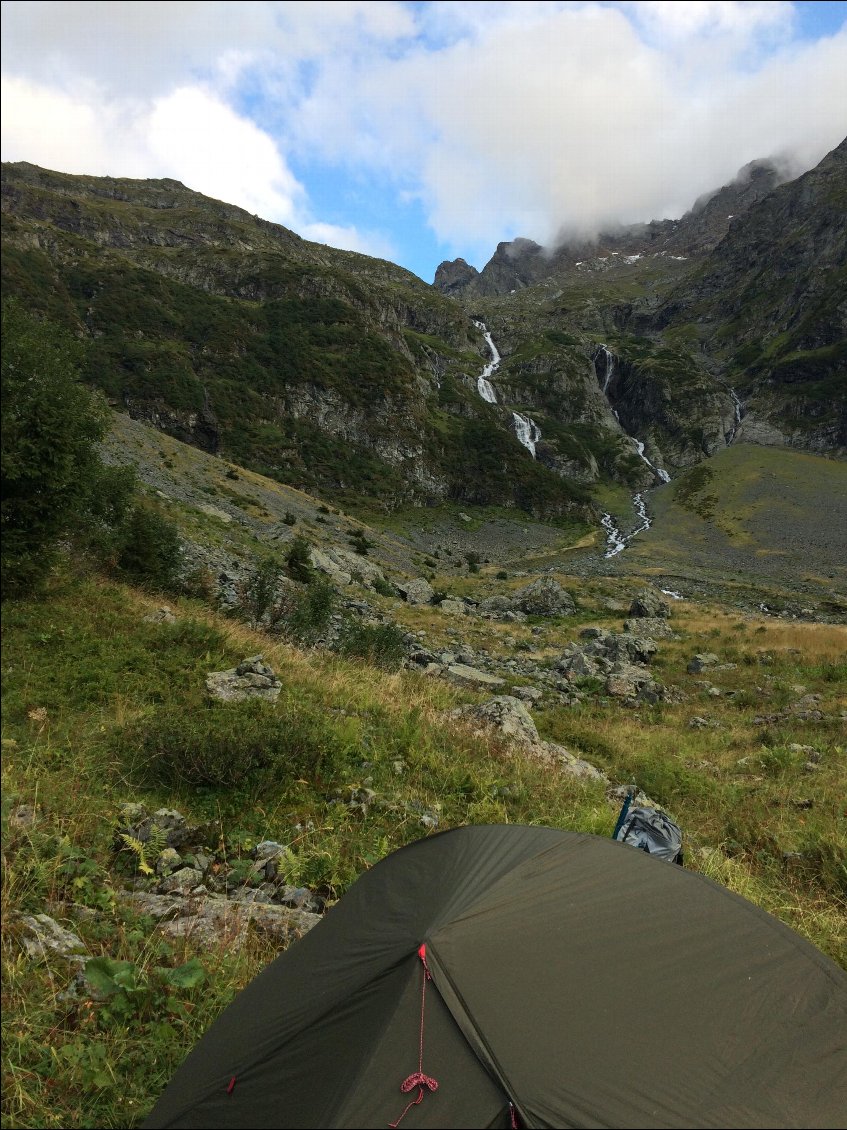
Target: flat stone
x=470 y=676
x=45 y=936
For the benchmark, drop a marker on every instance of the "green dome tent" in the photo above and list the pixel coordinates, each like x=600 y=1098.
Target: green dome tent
x=515 y=976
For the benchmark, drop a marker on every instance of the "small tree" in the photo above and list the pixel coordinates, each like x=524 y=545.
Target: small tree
x=257 y=596
x=151 y=547
x=50 y=427
x=298 y=563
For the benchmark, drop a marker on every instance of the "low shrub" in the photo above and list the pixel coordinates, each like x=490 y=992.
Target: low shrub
x=227 y=745
x=298 y=561
x=382 y=645
x=383 y=587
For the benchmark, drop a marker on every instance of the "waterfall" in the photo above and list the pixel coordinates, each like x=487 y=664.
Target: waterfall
x=483 y=384
x=527 y=431
x=739 y=410
x=609 y=358
x=662 y=474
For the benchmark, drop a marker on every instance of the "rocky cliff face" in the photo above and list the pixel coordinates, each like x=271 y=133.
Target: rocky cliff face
x=729 y=323
x=348 y=376
x=769 y=306
x=326 y=369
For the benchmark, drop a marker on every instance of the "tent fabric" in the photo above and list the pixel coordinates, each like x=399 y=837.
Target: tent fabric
x=586 y=983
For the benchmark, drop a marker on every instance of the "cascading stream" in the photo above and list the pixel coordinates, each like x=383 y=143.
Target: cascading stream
x=658 y=471
x=616 y=541
x=527 y=431
x=483 y=382
x=609 y=358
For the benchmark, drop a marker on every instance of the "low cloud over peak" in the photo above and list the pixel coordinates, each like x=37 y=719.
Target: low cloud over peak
x=477 y=121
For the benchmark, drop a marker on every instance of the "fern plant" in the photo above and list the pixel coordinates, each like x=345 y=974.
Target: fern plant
x=146 y=852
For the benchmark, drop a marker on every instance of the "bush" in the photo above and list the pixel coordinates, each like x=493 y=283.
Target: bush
x=502 y=575
x=382 y=645
x=289 y=519
x=304 y=617
x=383 y=587
x=226 y=745
x=474 y=561
x=360 y=542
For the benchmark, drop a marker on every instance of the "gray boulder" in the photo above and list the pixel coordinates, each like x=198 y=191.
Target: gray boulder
x=470 y=677
x=653 y=626
x=701 y=662
x=416 y=591
x=507 y=715
x=220 y=921
x=544 y=597
x=651 y=604
x=45 y=937
x=453 y=607
x=629 y=681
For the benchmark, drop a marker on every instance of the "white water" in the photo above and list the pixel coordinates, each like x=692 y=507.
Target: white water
x=662 y=474
x=738 y=411
x=610 y=366
x=483 y=384
x=672 y=594
x=641 y=510
x=527 y=431
x=615 y=541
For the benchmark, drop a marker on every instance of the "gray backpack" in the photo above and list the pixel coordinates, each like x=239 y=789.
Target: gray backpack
x=652 y=831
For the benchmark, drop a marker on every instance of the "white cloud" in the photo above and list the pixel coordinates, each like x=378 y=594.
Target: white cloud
x=219 y=153
x=576 y=119
x=682 y=19
x=500 y=118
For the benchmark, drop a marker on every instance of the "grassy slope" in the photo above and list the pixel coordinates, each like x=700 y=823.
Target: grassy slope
x=753 y=514
x=85 y=677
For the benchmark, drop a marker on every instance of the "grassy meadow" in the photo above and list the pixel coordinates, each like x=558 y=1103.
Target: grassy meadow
x=93 y=693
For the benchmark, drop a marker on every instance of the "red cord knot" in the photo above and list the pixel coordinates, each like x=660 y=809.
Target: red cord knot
x=422 y=956
x=418 y=1080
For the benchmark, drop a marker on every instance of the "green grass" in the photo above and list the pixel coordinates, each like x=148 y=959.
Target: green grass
x=101 y=707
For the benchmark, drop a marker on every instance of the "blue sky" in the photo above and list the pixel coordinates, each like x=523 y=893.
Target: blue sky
x=425 y=131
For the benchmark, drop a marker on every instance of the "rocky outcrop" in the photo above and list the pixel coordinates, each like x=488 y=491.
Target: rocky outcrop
x=250 y=679
x=416 y=591
x=773 y=289
x=618 y=659
x=508 y=719
x=453 y=275
x=543 y=597
x=649 y=603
